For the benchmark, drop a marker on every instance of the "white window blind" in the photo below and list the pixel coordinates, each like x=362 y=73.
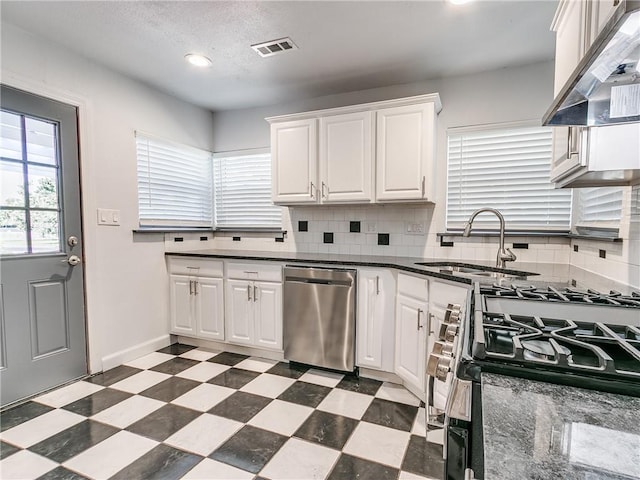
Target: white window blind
x=505 y=167
x=174 y=183
x=242 y=185
x=598 y=205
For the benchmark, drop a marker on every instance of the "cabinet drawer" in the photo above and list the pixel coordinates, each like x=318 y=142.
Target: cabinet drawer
x=415 y=287
x=254 y=271
x=195 y=266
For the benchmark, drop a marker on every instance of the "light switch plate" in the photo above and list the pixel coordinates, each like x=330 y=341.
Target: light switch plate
x=108 y=217
x=414 y=228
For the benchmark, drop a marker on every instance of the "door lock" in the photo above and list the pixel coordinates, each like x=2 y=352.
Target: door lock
x=72 y=241
x=73 y=260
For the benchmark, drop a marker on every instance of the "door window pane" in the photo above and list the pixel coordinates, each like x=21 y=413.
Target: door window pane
x=11 y=184
x=10 y=143
x=43 y=187
x=13 y=232
x=45 y=236
x=41 y=141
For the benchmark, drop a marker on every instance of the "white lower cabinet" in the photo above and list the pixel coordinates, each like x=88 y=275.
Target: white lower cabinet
x=197 y=306
x=411 y=332
x=375 y=319
x=254 y=313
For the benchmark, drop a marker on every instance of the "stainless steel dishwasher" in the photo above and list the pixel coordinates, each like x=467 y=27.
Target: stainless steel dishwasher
x=319 y=316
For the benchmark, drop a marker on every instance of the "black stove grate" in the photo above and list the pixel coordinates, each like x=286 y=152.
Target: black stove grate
x=569 y=295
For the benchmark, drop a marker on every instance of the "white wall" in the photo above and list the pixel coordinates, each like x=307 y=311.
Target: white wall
x=125 y=276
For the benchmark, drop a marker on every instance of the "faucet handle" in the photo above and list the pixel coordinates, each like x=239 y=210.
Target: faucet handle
x=508 y=255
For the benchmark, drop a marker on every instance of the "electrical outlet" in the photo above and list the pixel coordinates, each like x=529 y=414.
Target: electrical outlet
x=372 y=227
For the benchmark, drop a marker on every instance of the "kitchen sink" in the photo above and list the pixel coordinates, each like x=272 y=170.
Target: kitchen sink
x=471 y=270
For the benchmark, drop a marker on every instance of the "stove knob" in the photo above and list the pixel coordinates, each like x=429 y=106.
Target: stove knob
x=448 y=332
x=443 y=348
x=438 y=366
x=452 y=314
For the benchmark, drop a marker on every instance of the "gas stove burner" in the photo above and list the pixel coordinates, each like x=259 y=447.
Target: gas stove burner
x=541 y=350
x=563 y=295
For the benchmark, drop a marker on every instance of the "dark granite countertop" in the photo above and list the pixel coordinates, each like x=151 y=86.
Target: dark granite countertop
x=558 y=275
x=542 y=431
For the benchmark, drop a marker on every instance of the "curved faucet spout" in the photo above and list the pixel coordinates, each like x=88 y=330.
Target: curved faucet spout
x=504 y=255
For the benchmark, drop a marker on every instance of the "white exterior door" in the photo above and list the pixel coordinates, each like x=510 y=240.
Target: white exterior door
x=209 y=309
x=405 y=148
x=346 y=152
x=239 y=312
x=268 y=315
x=294 y=161
x=411 y=343
x=182 y=314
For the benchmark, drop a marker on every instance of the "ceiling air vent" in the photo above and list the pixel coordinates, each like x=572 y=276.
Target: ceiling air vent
x=274 y=47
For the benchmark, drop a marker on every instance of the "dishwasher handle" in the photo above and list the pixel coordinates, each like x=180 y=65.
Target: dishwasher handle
x=319 y=281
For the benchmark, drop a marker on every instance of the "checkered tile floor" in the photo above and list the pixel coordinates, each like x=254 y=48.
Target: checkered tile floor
x=189 y=413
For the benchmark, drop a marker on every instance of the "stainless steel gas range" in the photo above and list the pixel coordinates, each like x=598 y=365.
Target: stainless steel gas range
x=568 y=336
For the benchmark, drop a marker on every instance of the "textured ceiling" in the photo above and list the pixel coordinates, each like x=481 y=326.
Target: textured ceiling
x=343 y=46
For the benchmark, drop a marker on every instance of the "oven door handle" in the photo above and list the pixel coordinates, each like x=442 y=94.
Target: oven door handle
x=469 y=475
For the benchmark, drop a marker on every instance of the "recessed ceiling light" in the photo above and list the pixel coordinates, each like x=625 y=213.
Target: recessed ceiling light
x=460 y=2
x=198 y=60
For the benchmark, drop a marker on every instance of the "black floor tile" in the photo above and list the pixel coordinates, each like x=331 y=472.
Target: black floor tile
x=164 y=422
x=327 y=429
x=359 y=385
x=61 y=473
x=290 y=370
x=423 y=458
x=97 y=402
x=174 y=366
x=240 y=406
x=250 y=449
x=304 y=393
x=163 y=462
x=234 y=378
x=170 y=389
x=70 y=442
x=176 y=349
x=391 y=414
x=114 y=375
x=21 y=413
x=352 y=468
x=228 y=358
x=6 y=450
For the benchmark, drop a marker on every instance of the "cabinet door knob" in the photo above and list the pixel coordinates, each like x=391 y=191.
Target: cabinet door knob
x=248 y=293
x=322 y=190
x=419 y=313
x=377 y=285
x=311 y=187
x=255 y=293
x=423 y=181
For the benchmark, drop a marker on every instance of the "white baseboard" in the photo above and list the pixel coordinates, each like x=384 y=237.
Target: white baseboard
x=123 y=356
x=229 y=347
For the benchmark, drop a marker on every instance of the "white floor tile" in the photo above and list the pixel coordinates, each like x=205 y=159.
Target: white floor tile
x=209 y=469
x=111 y=455
x=128 y=411
x=268 y=385
x=397 y=393
x=204 y=371
x=70 y=393
x=199 y=354
x=411 y=476
x=346 y=403
x=37 y=429
x=320 y=377
x=379 y=444
x=436 y=436
x=25 y=464
x=419 y=424
x=204 y=434
x=281 y=417
x=140 y=381
x=256 y=364
x=150 y=360
x=298 y=459
x=203 y=397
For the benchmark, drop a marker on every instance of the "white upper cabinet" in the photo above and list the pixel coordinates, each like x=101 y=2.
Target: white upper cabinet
x=375 y=152
x=294 y=161
x=346 y=157
x=405 y=151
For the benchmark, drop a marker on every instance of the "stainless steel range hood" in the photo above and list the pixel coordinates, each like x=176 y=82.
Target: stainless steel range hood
x=604 y=89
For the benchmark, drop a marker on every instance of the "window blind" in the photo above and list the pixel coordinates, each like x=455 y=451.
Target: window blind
x=596 y=205
x=242 y=185
x=174 y=183
x=507 y=168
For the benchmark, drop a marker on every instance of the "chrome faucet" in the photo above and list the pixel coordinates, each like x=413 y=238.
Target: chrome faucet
x=504 y=254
